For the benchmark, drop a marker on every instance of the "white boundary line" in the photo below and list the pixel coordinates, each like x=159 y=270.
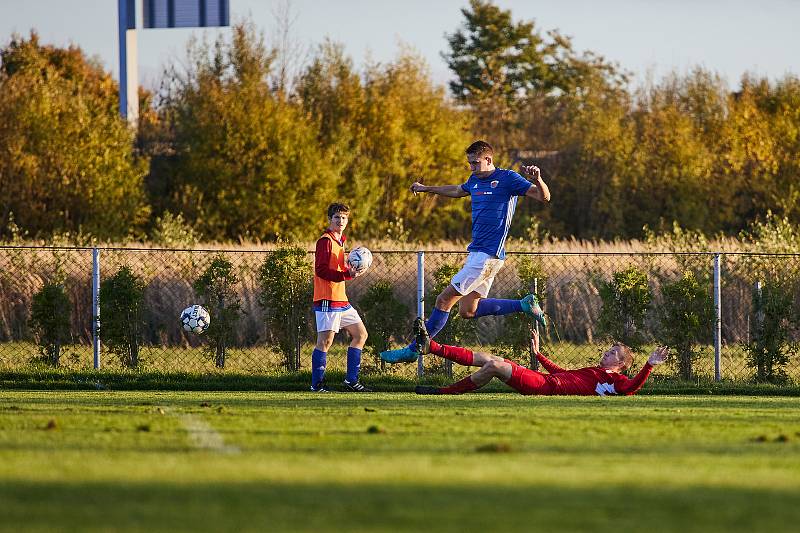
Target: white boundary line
x=202 y=436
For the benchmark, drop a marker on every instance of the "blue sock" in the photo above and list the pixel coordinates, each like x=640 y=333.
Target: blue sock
x=353 y=364
x=494 y=306
x=434 y=324
x=318 y=361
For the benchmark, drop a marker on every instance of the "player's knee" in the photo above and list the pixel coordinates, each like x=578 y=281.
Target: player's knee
x=324 y=343
x=466 y=313
x=492 y=367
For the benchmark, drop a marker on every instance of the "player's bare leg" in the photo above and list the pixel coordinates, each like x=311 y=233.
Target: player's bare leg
x=448 y=298
x=468 y=305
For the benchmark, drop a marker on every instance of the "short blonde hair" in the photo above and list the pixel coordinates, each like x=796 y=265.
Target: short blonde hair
x=627 y=355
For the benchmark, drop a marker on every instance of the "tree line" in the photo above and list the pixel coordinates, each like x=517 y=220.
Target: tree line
x=240 y=156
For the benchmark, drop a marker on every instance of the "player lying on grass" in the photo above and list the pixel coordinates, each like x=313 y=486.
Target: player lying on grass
x=601 y=380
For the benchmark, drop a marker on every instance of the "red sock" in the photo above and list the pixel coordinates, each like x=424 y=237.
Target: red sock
x=459 y=355
x=459 y=387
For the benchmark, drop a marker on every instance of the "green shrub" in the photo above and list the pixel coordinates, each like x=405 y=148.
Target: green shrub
x=122 y=315
x=770 y=345
x=217 y=288
x=173 y=231
x=50 y=321
x=626 y=300
x=384 y=316
x=286 y=291
x=685 y=319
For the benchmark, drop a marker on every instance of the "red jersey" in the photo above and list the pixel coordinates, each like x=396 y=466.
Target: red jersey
x=592 y=381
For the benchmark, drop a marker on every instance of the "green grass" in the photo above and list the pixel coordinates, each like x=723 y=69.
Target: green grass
x=293 y=461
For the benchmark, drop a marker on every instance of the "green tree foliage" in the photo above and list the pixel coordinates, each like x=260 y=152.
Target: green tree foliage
x=685 y=319
x=245 y=162
x=388 y=128
x=216 y=286
x=50 y=321
x=122 y=315
x=284 y=279
x=626 y=301
x=66 y=157
x=771 y=345
x=172 y=231
x=505 y=69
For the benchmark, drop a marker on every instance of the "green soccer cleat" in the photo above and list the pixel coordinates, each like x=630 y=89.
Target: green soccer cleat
x=422 y=337
x=401 y=355
x=530 y=305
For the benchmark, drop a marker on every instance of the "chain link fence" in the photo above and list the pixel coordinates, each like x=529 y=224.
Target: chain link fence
x=758 y=308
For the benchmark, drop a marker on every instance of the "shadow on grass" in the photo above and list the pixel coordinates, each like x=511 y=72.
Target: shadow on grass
x=231 y=506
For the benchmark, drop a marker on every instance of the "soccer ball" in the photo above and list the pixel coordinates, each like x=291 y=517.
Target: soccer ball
x=195 y=318
x=360 y=259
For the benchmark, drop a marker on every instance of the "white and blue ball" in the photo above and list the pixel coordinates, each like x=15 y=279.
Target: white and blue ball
x=360 y=259
x=195 y=318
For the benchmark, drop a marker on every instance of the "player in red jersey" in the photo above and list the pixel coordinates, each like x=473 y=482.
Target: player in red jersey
x=602 y=380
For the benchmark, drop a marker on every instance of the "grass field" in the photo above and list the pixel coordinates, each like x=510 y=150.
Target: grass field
x=225 y=461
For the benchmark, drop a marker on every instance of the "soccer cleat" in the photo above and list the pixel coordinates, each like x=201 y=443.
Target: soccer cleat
x=423 y=338
x=401 y=355
x=355 y=387
x=422 y=389
x=530 y=305
x=319 y=388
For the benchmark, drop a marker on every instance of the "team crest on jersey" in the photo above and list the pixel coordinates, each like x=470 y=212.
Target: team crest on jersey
x=494 y=184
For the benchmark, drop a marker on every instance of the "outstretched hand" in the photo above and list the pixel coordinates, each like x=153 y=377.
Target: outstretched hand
x=418 y=187
x=658 y=356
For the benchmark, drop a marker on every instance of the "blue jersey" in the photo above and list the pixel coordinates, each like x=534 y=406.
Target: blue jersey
x=494 y=199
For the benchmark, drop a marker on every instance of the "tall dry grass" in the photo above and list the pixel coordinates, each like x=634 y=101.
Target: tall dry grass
x=571 y=269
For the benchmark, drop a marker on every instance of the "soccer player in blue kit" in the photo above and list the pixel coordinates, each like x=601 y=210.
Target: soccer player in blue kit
x=494 y=192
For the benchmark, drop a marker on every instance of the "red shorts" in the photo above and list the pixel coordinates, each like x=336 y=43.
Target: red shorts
x=527 y=381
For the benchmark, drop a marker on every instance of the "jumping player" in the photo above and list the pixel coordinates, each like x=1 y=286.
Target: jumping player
x=331 y=306
x=601 y=380
x=494 y=192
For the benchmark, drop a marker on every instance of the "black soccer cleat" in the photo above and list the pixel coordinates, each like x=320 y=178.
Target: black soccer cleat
x=422 y=337
x=423 y=389
x=320 y=387
x=355 y=387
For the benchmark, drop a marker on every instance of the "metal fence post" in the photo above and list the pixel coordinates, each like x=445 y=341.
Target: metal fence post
x=420 y=300
x=534 y=360
x=717 y=318
x=96 y=306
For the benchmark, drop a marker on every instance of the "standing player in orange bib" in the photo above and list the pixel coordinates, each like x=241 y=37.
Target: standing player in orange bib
x=332 y=309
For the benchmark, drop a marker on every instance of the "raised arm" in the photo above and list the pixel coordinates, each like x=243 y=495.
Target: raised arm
x=544 y=361
x=539 y=190
x=452 y=191
x=549 y=365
